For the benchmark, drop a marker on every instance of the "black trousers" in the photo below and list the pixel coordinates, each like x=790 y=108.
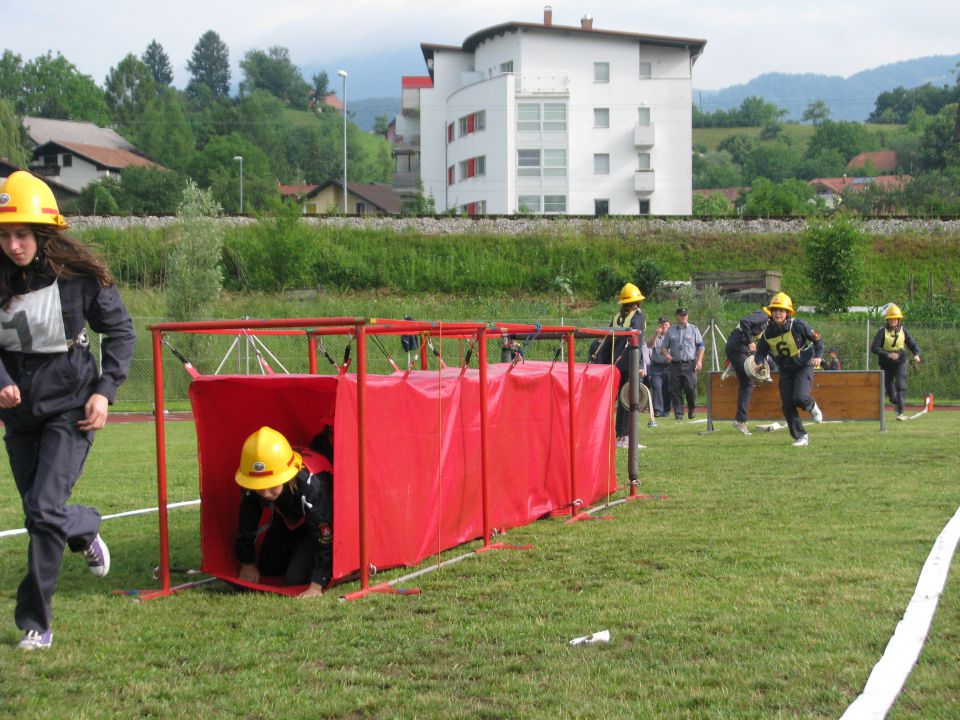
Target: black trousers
x=683 y=383
x=46 y=458
x=659 y=388
x=895 y=380
x=745 y=388
x=288 y=553
x=795 y=387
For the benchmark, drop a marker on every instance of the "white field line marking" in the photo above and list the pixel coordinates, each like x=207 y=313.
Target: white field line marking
x=891 y=671
x=144 y=511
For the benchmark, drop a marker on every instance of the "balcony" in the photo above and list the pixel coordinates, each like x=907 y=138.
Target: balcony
x=410 y=102
x=545 y=83
x=644 y=181
x=406 y=144
x=405 y=180
x=643 y=135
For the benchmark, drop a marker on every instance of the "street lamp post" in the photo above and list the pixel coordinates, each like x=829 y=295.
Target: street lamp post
x=240 y=159
x=343 y=74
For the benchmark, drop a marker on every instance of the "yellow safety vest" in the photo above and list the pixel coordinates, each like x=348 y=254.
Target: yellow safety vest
x=623 y=321
x=893 y=341
x=783 y=346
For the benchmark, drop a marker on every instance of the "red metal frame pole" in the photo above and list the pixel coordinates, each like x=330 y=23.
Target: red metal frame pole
x=424 y=360
x=633 y=460
x=312 y=352
x=361 y=463
x=484 y=485
x=573 y=424
x=161 y=461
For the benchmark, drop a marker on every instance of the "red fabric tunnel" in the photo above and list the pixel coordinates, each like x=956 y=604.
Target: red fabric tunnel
x=422 y=453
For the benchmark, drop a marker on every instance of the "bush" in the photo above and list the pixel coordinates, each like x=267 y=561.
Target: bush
x=195 y=274
x=834 y=261
x=649 y=276
x=609 y=282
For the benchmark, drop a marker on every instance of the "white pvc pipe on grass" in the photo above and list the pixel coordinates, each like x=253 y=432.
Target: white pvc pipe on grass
x=128 y=513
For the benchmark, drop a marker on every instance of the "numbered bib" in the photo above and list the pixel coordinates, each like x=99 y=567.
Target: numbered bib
x=34 y=322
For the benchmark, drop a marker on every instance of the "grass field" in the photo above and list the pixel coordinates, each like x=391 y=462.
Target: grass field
x=765 y=585
x=799 y=133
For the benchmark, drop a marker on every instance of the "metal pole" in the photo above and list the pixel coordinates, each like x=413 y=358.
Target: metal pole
x=312 y=353
x=633 y=459
x=867 y=363
x=161 y=461
x=343 y=74
x=571 y=410
x=239 y=158
x=484 y=480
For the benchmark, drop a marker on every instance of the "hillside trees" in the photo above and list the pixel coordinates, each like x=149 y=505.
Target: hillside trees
x=274 y=72
x=51 y=87
x=13 y=139
x=209 y=67
x=157 y=60
x=163 y=131
x=129 y=88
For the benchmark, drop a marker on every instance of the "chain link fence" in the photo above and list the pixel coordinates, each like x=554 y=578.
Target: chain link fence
x=246 y=353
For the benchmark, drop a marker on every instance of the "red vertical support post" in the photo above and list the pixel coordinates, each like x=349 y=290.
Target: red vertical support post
x=424 y=360
x=633 y=455
x=312 y=352
x=161 y=461
x=573 y=424
x=484 y=480
x=361 y=461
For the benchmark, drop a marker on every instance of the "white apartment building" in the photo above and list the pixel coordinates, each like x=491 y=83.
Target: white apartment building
x=544 y=118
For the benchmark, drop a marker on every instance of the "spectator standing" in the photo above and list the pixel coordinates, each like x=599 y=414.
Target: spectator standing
x=741 y=344
x=888 y=345
x=658 y=378
x=831 y=361
x=797 y=349
x=683 y=350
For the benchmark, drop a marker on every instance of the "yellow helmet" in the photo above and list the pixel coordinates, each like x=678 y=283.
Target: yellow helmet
x=893 y=312
x=630 y=293
x=25 y=198
x=267 y=460
x=781 y=301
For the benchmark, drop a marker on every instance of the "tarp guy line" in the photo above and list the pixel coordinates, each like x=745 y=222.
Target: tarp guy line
x=891 y=671
x=144 y=511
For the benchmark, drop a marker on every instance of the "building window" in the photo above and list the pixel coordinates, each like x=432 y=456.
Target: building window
x=601 y=164
x=646 y=70
x=644 y=207
x=528 y=163
x=361 y=208
x=463 y=127
x=554 y=203
x=601 y=117
x=472 y=123
x=475 y=208
x=554 y=163
x=643 y=117
x=450 y=133
x=451 y=177
x=528 y=117
x=506 y=67
x=601 y=72
x=601 y=207
x=554 y=117
x=67 y=160
x=50 y=160
x=528 y=203
x=473 y=167
x=480 y=120
x=643 y=161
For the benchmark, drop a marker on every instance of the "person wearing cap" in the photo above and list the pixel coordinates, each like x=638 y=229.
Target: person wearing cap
x=888 y=345
x=53 y=395
x=683 y=349
x=741 y=344
x=298 y=537
x=831 y=361
x=797 y=349
x=629 y=317
x=659 y=381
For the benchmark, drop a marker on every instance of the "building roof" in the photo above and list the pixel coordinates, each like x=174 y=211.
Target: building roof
x=694 y=45
x=103 y=157
x=43 y=130
x=296 y=191
x=880 y=160
x=380 y=195
x=841 y=184
x=416 y=81
x=333 y=101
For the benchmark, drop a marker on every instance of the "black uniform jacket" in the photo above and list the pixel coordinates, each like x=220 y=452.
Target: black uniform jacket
x=42 y=351
x=744 y=333
x=791 y=345
x=883 y=355
x=306 y=500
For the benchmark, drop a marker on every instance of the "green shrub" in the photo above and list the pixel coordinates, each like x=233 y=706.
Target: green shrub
x=834 y=261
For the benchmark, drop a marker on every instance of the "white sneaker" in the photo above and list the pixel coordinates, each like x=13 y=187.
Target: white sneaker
x=36 y=640
x=623 y=442
x=728 y=372
x=802 y=442
x=816 y=414
x=901 y=416
x=641 y=447
x=742 y=427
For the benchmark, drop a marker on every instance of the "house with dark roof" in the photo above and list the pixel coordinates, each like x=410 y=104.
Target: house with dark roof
x=76 y=165
x=43 y=130
x=362 y=198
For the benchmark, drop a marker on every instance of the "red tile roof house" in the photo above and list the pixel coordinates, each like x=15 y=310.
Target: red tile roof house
x=882 y=161
x=75 y=165
x=362 y=198
x=830 y=189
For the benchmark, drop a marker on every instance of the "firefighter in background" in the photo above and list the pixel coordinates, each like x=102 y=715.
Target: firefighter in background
x=888 y=345
x=797 y=349
x=53 y=395
x=629 y=317
x=298 y=538
x=741 y=344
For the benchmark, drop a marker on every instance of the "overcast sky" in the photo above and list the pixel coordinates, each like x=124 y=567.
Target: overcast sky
x=745 y=38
